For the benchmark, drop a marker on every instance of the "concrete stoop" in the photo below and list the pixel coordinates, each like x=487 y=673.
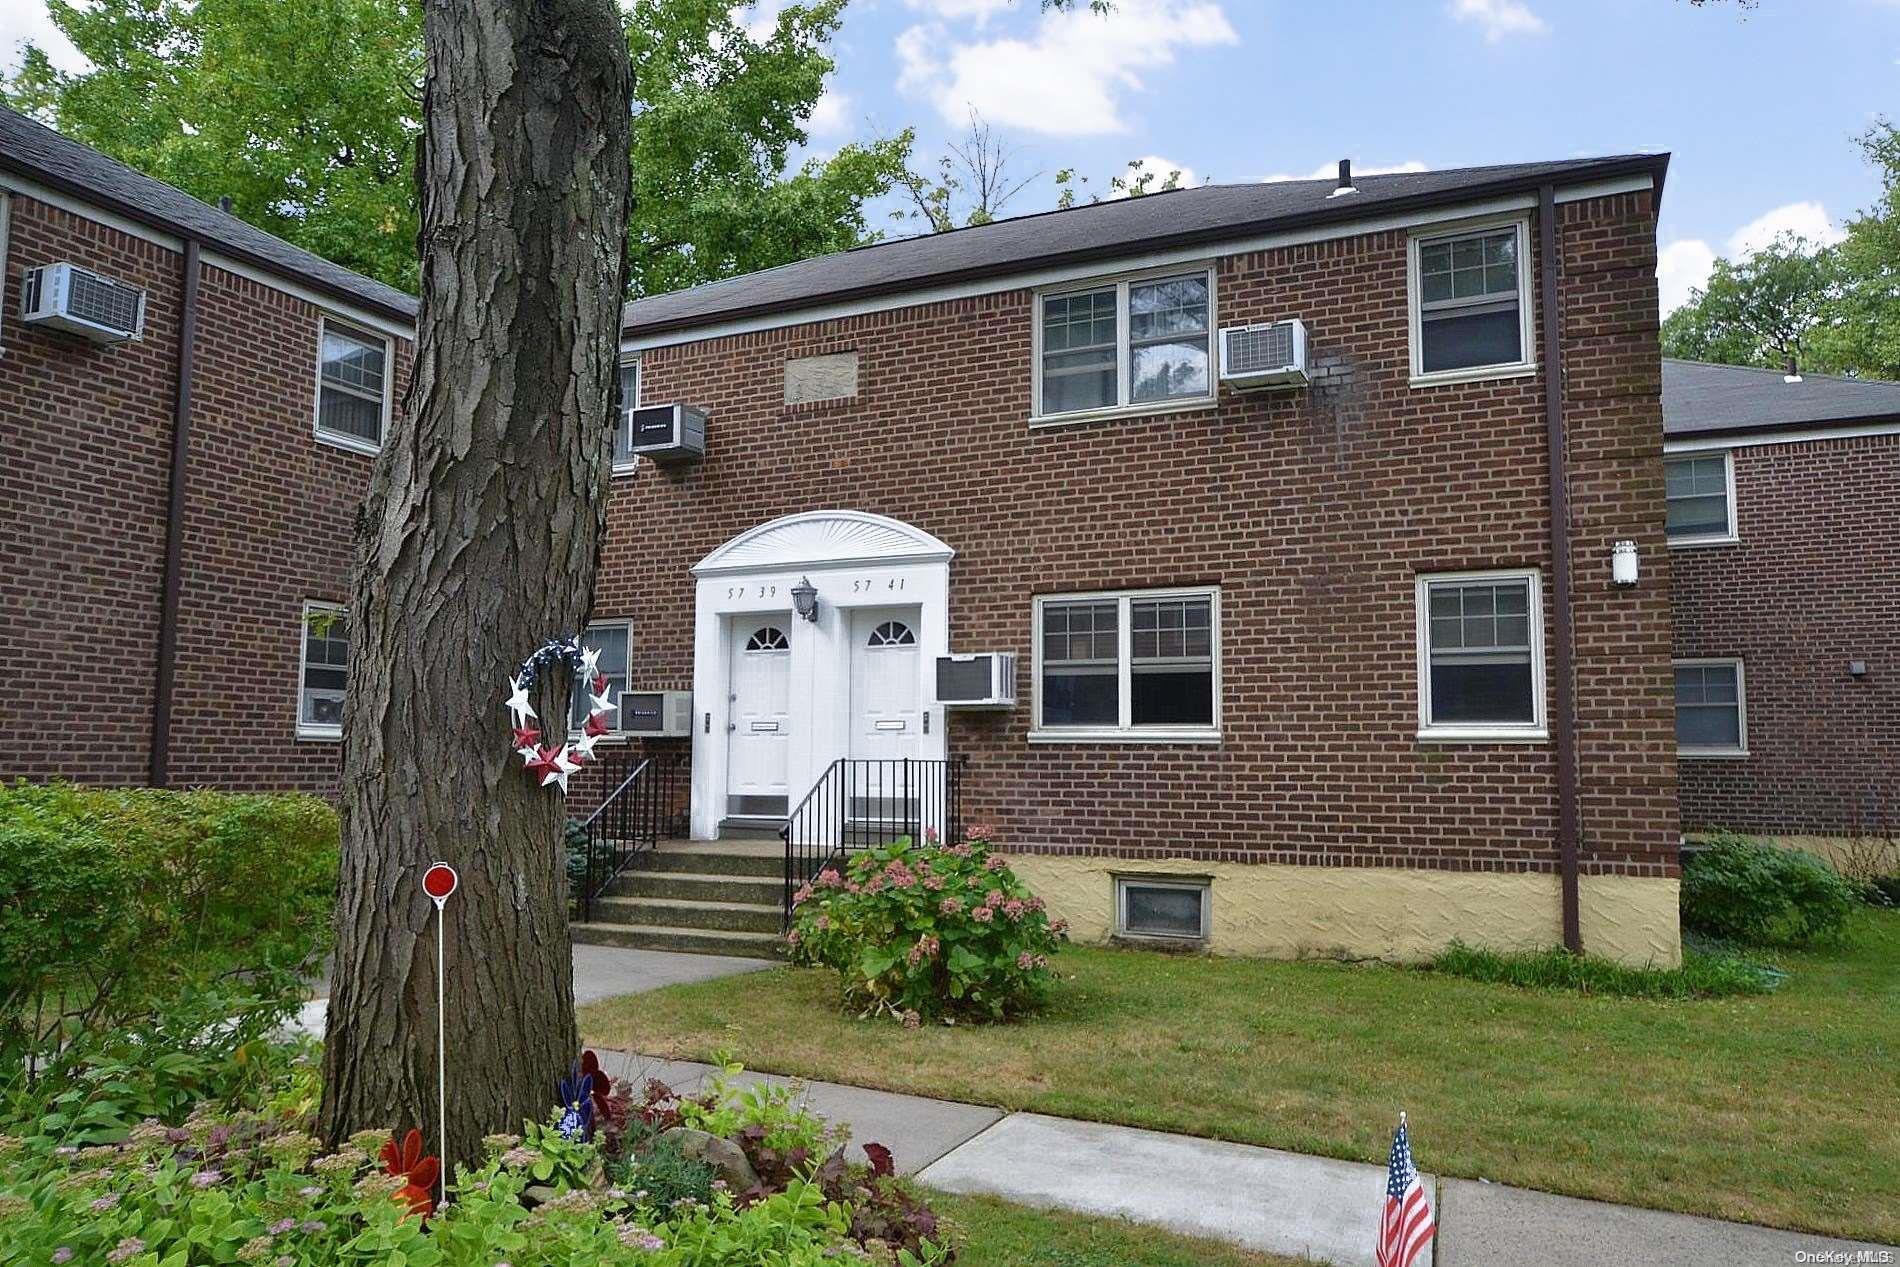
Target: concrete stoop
x=723 y=897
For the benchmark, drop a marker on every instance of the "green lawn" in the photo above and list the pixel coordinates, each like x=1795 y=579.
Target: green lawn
x=1781 y=1109
x=999 y=1234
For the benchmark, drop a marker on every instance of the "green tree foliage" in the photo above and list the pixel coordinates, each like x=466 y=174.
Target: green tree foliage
x=1835 y=309
x=305 y=115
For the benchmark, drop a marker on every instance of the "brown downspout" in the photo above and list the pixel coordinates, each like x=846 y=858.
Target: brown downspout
x=175 y=527
x=1565 y=721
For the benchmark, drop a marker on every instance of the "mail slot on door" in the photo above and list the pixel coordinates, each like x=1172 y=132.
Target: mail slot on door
x=898 y=724
x=764 y=727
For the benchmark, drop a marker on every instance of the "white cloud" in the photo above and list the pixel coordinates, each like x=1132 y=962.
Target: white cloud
x=1328 y=171
x=977 y=11
x=1161 y=169
x=758 y=18
x=1499 y=19
x=27 y=22
x=831 y=115
x=1684 y=265
x=1068 y=77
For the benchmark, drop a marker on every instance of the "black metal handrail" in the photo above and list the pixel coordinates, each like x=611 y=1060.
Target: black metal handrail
x=860 y=803
x=640 y=811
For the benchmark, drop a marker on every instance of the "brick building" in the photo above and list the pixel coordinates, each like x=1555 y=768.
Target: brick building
x=1287 y=639
x=1784 y=526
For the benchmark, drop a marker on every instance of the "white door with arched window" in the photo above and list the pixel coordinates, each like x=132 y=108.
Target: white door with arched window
x=887 y=717
x=759 y=732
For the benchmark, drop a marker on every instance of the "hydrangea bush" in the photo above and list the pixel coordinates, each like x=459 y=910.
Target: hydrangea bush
x=928 y=932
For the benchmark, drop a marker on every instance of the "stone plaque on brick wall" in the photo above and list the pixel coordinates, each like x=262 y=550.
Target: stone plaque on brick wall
x=829 y=377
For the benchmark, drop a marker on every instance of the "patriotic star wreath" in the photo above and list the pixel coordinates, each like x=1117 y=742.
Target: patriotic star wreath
x=548 y=763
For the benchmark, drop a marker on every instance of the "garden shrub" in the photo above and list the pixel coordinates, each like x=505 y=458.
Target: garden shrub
x=927 y=932
x=139 y=912
x=1759 y=894
x=1700 y=976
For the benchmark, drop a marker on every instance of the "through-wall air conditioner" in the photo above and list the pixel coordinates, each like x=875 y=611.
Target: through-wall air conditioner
x=1268 y=354
x=669 y=433
x=80 y=301
x=657 y=714
x=984 y=680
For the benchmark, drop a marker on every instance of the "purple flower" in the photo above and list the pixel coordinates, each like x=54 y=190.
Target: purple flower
x=130 y=1247
x=281 y=1226
x=207 y=1178
x=105 y=1203
x=64 y=1254
x=311 y=1226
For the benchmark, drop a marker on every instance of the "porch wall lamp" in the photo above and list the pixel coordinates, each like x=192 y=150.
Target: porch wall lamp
x=1623 y=569
x=805 y=598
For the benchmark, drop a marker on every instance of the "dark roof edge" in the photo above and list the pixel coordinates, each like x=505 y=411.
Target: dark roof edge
x=1655 y=166
x=1770 y=428
x=146 y=216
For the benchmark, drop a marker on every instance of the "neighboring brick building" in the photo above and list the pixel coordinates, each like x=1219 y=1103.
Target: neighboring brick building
x=1288 y=664
x=269 y=498
x=1784 y=523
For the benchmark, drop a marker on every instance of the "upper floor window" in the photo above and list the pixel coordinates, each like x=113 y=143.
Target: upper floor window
x=1699 y=491
x=624 y=459
x=1470 y=303
x=613 y=640
x=352 y=385
x=1144 y=341
x=1711 y=709
x=1480 y=656
x=1138 y=664
x=323 y=671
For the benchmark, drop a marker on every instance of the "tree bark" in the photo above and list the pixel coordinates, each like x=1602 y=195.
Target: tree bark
x=480 y=540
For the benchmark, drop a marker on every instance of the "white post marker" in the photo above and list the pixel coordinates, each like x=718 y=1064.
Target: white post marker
x=439 y=882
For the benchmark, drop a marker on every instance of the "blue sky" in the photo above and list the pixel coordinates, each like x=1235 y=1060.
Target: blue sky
x=1759 y=109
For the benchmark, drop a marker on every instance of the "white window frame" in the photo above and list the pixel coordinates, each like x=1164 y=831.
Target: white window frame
x=632 y=464
x=1125 y=731
x=1204 y=887
x=1123 y=408
x=6 y=225
x=1533 y=731
x=356 y=330
x=1741 y=707
x=618 y=733
x=313 y=730
x=1526 y=364
x=1729 y=536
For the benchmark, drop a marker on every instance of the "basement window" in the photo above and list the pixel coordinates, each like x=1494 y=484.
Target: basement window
x=1170 y=910
x=352 y=386
x=323 y=671
x=1471 y=303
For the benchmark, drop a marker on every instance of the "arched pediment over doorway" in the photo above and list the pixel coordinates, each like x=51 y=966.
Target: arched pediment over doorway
x=819 y=537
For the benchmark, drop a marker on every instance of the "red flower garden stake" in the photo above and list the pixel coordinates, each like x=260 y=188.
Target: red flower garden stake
x=417 y=1172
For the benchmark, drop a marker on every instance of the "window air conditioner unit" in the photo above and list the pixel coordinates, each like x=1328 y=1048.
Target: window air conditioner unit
x=1269 y=354
x=986 y=680
x=669 y=433
x=657 y=714
x=80 y=301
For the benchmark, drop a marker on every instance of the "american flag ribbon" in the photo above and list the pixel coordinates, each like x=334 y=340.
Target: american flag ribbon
x=1405 y=1224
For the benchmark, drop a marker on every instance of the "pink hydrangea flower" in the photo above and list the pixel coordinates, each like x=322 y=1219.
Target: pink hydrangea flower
x=803 y=894
x=996 y=862
x=828 y=879
x=1025 y=961
x=993 y=898
x=933 y=882
x=1014 y=908
x=982 y=915
x=950 y=905
x=823 y=923
x=930 y=836
x=792 y=938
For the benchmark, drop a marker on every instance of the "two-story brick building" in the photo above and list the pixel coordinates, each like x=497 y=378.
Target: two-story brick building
x=1299 y=640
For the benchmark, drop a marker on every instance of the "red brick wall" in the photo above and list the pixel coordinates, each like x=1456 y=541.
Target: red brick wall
x=83 y=505
x=1809 y=586
x=1313 y=511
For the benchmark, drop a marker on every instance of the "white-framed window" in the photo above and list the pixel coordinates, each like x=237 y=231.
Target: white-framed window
x=614 y=640
x=323 y=670
x=1469 y=301
x=1711 y=708
x=1132 y=344
x=354 y=371
x=624 y=458
x=1174 y=909
x=1132 y=664
x=1481 y=655
x=1699 y=491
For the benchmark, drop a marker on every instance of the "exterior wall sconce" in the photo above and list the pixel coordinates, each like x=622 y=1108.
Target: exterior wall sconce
x=1623 y=568
x=805 y=598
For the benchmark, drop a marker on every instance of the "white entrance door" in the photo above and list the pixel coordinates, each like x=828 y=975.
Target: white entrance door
x=760 y=725
x=887 y=716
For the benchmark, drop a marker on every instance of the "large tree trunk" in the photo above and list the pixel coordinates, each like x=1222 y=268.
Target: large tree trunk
x=479 y=541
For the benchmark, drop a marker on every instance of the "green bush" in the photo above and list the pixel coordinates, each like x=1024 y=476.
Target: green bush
x=128 y=912
x=1759 y=894
x=1700 y=976
x=921 y=932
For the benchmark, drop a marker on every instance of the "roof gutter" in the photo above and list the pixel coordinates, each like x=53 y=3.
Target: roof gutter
x=167 y=673
x=1564 y=727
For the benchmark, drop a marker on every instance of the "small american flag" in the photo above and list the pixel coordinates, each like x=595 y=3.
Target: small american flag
x=1405 y=1226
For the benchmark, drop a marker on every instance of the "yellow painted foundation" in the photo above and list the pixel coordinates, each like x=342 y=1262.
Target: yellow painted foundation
x=1291 y=912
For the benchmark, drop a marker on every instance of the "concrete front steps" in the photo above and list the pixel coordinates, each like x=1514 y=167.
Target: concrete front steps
x=722 y=897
